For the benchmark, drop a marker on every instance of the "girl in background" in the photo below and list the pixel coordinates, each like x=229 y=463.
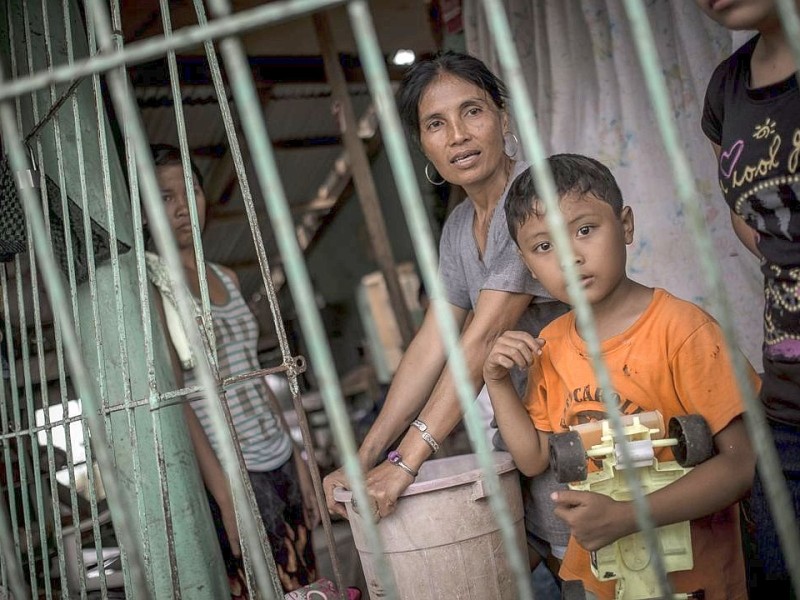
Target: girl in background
x=752 y=117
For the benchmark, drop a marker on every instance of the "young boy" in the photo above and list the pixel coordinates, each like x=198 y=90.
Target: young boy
x=663 y=354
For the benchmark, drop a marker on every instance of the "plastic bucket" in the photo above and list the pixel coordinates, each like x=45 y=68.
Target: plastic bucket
x=442 y=541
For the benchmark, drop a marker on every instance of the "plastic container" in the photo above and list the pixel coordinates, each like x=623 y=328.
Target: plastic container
x=442 y=541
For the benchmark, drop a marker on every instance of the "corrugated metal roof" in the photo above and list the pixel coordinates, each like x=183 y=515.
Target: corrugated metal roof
x=297 y=116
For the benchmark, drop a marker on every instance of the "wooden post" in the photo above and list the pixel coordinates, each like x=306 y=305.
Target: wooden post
x=362 y=178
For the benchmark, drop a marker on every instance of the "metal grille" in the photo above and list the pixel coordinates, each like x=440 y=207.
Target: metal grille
x=91 y=363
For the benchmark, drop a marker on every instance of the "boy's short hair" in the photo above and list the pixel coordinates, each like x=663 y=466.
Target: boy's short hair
x=572 y=174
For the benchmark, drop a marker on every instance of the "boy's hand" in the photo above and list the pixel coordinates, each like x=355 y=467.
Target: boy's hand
x=513 y=348
x=595 y=520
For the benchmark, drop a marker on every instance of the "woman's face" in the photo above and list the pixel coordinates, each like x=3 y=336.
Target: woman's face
x=461 y=131
x=176 y=202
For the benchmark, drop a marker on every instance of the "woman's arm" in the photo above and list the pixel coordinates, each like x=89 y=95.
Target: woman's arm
x=412 y=383
x=494 y=313
x=417 y=373
x=596 y=520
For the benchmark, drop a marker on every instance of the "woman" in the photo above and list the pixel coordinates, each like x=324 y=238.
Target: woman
x=454 y=108
x=265 y=443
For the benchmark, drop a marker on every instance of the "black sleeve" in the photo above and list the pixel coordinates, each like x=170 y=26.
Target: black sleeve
x=714 y=105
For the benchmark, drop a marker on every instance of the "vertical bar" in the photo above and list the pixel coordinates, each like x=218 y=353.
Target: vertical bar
x=156 y=422
x=180 y=122
x=163 y=237
x=780 y=503
x=62 y=567
x=426 y=255
x=531 y=141
x=235 y=150
x=13 y=560
x=15 y=399
x=287 y=360
x=74 y=505
x=273 y=193
x=57 y=297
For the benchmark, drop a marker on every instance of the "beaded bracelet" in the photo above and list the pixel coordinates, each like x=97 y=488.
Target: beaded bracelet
x=397 y=460
x=429 y=439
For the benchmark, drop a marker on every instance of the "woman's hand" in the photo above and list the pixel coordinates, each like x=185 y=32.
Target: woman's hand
x=333 y=480
x=512 y=348
x=385 y=483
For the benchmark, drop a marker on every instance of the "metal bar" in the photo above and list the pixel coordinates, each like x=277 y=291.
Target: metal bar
x=79 y=146
x=419 y=225
x=15 y=399
x=58 y=301
x=156 y=422
x=187 y=37
x=292 y=366
x=273 y=193
x=362 y=178
x=180 y=122
x=52 y=114
x=780 y=503
x=25 y=345
x=13 y=560
x=531 y=141
x=126 y=107
x=52 y=519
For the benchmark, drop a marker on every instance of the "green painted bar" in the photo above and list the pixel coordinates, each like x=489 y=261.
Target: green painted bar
x=531 y=141
x=394 y=138
x=780 y=502
x=198 y=547
x=297 y=275
x=139 y=52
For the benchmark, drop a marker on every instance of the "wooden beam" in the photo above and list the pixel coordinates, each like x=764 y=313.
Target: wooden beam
x=362 y=175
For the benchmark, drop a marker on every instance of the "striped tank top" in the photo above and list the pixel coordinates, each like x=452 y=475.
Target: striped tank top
x=265 y=445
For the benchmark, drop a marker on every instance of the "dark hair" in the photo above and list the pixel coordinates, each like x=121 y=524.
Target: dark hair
x=572 y=174
x=421 y=75
x=166 y=154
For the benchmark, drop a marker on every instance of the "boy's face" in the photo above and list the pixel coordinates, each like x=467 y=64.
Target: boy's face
x=742 y=14
x=598 y=240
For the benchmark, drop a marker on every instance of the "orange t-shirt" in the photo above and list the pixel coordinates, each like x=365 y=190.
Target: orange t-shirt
x=672 y=359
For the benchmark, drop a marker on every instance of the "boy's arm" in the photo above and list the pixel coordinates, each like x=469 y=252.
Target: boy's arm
x=596 y=520
x=527 y=445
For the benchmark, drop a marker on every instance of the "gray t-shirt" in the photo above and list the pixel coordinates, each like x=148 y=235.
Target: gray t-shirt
x=464 y=275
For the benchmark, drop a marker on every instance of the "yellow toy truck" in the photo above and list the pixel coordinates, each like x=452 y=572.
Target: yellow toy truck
x=628 y=560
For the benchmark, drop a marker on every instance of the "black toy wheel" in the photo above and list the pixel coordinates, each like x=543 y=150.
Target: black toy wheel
x=567 y=457
x=695 y=442
x=573 y=590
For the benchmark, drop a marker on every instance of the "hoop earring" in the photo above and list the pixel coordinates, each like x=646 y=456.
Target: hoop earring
x=510 y=144
x=429 y=178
